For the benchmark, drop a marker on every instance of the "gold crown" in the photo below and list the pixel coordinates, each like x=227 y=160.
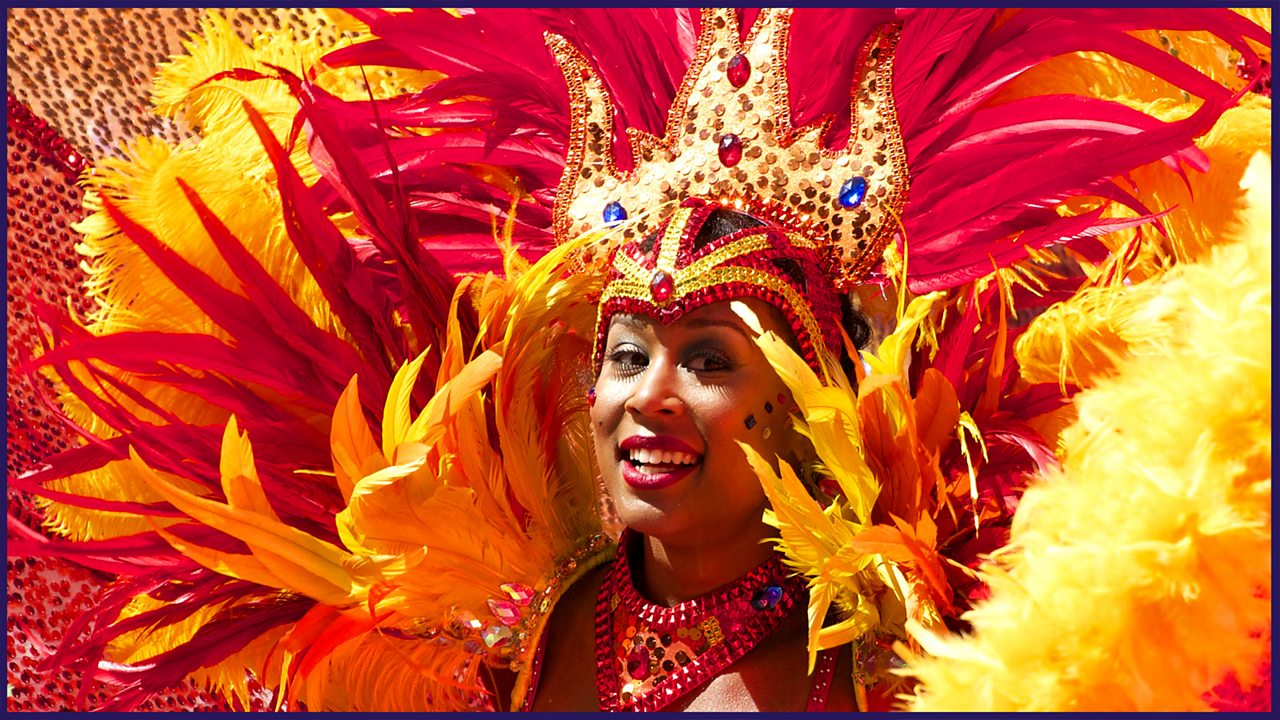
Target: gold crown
x=729 y=138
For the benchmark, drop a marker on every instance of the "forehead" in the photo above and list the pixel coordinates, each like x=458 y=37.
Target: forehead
x=719 y=314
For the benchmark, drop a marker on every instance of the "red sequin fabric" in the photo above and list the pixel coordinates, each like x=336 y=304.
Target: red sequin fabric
x=46 y=594
x=649 y=656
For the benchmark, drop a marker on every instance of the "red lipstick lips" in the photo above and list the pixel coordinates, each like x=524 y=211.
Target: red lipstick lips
x=655 y=477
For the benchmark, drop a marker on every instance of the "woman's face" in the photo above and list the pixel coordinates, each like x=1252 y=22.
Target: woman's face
x=672 y=401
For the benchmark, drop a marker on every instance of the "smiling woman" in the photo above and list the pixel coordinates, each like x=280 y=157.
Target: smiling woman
x=672 y=402
x=694 y=383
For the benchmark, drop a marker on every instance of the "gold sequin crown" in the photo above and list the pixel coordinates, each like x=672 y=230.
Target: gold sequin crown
x=729 y=138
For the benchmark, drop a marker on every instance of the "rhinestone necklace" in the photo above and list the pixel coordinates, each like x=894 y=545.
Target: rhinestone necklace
x=649 y=656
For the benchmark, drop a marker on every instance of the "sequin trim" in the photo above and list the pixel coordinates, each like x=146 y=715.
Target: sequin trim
x=712 y=632
x=67 y=158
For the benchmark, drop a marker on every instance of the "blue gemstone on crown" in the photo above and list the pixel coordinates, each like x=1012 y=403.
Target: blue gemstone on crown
x=853 y=191
x=614 y=213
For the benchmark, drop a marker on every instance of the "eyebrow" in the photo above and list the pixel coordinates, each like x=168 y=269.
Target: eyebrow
x=635 y=321
x=629 y=319
x=704 y=322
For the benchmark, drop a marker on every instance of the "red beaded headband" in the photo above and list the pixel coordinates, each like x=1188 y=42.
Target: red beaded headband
x=664 y=276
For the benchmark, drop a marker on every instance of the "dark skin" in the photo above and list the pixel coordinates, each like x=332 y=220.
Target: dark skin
x=694 y=380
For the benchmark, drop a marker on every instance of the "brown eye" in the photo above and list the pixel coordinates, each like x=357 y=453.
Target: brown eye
x=628 y=360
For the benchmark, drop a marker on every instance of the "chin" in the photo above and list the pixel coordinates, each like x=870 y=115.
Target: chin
x=667 y=520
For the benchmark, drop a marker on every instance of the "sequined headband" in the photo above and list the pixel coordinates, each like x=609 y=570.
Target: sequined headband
x=729 y=137
x=665 y=275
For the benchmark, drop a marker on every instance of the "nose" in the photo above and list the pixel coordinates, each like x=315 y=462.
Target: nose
x=658 y=390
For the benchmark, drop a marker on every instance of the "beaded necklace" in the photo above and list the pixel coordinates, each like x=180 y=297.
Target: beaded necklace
x=649 y=656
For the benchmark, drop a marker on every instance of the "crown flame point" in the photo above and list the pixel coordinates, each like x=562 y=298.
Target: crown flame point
x=729 y=137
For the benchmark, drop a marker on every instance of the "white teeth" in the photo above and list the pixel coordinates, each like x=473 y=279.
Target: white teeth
x=661 y=457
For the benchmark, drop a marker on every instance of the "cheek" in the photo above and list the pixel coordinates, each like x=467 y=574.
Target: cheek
x=606 y=415
x=763 y=420
x=602 y=427
x=606 y=402
x=597 y=419
x=737 y=416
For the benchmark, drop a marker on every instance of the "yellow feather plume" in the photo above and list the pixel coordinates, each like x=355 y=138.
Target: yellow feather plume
x=853 y=565
x=1140 y=574
x=841 y=557
x=1079 y=340
x=491 y=510
x=282 y=556
x=228 y=169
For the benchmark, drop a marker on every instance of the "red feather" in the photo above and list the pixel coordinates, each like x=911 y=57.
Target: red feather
x=228 y=632
x=821 y=64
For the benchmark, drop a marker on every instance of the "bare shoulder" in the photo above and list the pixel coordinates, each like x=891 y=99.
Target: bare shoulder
x=568 y=667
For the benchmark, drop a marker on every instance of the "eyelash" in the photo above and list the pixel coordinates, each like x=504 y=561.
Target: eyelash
x=623 y=359
x=619 y=359
x=717 y=361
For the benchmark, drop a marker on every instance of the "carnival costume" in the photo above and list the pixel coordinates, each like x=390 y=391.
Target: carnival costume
x=333 y=395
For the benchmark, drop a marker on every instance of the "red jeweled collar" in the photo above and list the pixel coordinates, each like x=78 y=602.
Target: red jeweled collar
x=648 y=656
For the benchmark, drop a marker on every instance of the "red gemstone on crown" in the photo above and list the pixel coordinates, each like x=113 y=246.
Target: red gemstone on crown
x=730 y=150
x=739 y=70
x=661 y=285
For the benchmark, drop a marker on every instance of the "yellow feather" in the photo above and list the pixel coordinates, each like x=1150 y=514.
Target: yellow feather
x=819 y=603
x=227 y=167
x=821 y=544
x=368 y=523
x=454 y=355
x=1140 y=573
x=411 y=456
x=351 y=443
x=310 y=556
x=229 y=678
x=240 y=483
x=147 y=642
x=451 y=396
x=236 y=565
x=434 y=481
x=967 y=428
x=891 y=356
x=1079 y=341
x=830 y=420
x=395 y=413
